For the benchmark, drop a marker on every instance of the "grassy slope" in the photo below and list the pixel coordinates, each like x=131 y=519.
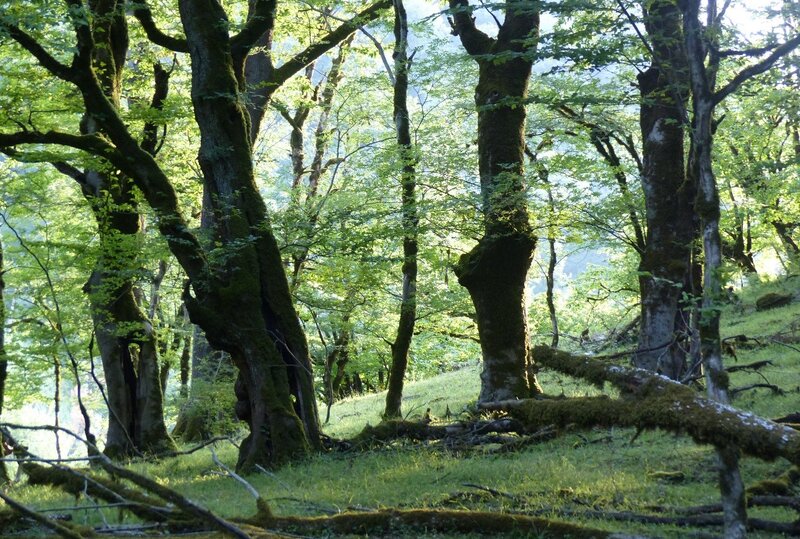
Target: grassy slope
x=604 y=469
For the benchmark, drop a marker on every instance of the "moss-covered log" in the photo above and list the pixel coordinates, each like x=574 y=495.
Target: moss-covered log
x=381 y=522
x=398 y=429
x=651 y=401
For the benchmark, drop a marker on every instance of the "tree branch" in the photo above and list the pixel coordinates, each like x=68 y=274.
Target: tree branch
x=475 y=42
x=145 y=17
x=46 y=60
x=261 y=19
x=651 y=401
x=326 y=43
x=755 y=69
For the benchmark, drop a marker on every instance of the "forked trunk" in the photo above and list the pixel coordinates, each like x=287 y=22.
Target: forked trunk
x=244 y=306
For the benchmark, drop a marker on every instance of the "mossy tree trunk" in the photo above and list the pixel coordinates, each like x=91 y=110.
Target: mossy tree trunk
x=245 y=307
x=3 y=358
x=666 y=257
x=238 y=293
x=125 y=335
x=408 y=183
x=495 y=271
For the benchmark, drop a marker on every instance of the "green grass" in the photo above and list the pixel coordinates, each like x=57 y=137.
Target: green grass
x=603 y=469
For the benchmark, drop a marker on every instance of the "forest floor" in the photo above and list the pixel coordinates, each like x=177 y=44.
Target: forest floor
x=589 y=477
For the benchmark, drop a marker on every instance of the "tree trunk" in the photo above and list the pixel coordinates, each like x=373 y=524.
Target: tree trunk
x=129 y=354
x=3 y=359
x=495 y=271
x=408 y=302
x=703 y=80
x=245 y=307
x=665 y=262
x=124 y=333
x=544 y=177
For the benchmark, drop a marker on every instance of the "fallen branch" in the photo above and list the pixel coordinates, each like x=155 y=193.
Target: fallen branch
x=791 y=502
x=753 y=524
x=183 y=503
x=77 y=483
x=56 y=527
x=650 y=401
x=397 y=429
x=386 y=521
x=772 y=387
x=750 y=366
x=198 y=447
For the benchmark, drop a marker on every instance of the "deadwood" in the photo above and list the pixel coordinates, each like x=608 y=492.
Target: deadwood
x=386 y=521
x=650 y=401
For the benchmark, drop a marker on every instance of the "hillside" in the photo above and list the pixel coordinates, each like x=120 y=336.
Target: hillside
x=603 y=478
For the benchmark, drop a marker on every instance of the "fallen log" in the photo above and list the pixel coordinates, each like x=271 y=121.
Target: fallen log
x=82 y=482
x=650 y=401
x=431 y=520
x=398 y=429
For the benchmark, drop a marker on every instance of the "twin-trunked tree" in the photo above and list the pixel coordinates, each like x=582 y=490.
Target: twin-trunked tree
x=238 y=294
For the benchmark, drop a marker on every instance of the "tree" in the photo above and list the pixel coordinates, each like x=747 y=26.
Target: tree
x=703 y=43
x=408 y=301
x=668 y=195
x=237 y=292
x=3 y=357
x=495 y=271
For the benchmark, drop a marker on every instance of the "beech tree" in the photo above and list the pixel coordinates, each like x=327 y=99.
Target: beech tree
x=408 y=301
x=237 y=293
x=704 y=55
x=668 y=194
x=495 y=270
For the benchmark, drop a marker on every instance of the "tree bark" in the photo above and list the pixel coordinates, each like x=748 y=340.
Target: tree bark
x=3 y=358
x=246 y=308
x=665 y=261
x=125 y=335
x=495 y=271
x=408 y=183
x=703 y=82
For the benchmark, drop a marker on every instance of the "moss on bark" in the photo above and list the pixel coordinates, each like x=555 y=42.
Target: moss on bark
x=427 y=521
